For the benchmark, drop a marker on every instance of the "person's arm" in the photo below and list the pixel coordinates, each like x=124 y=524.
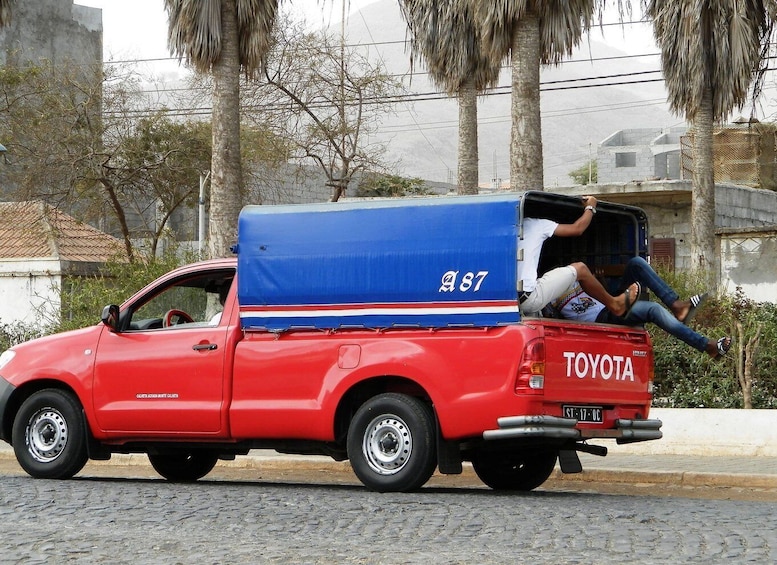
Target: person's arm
x=582 y=223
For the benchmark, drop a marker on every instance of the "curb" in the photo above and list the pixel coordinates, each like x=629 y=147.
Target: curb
x=673 y=478
x=291 y=463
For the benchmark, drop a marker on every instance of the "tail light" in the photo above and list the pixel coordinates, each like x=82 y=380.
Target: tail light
x=531 y=370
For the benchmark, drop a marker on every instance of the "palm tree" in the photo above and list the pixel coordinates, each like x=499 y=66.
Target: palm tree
x=5 y=12
x=712 y=51
x=445 y=35
x=223 y=38
x=530 y=32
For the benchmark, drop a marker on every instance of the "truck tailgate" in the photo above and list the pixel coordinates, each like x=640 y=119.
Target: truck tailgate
x=597 y=364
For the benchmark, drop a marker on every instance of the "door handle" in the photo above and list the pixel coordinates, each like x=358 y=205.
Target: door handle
x=205 y=346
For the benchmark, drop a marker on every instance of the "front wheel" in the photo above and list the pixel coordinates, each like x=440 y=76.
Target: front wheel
x=49 y=435
x=182 y=466
x=391 y=443
x=522 y=471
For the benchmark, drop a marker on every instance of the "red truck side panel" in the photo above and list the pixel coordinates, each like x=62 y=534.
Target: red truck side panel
x=155 y=381
x=288 y=386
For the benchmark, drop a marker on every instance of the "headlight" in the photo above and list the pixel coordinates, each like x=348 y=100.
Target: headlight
x=6 y=357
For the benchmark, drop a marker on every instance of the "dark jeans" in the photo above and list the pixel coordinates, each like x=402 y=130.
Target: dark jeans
x=644 y=311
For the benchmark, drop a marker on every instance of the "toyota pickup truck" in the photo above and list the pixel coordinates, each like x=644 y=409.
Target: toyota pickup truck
x=387 y=333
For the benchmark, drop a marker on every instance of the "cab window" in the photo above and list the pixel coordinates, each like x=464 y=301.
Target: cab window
x=185 y=302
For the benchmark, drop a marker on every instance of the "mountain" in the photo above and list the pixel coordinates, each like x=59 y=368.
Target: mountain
x=423 y=136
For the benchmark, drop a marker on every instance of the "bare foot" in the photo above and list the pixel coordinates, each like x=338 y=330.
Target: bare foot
x=625 y=301
x=685 y=310
x=680 y=309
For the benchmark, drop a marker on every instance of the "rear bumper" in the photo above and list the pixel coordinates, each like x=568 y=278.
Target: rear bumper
x=554 y=427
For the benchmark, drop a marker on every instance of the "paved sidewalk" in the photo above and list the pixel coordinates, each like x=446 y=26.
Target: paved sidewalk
x=756 y=472
x=688 y=470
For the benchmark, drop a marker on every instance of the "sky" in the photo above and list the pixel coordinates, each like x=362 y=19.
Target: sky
x=137 y=29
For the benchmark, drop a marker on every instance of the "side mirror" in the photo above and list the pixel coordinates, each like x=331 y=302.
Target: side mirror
x=110 y=317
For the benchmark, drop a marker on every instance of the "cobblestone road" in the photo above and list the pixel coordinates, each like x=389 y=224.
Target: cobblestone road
x=139 y=521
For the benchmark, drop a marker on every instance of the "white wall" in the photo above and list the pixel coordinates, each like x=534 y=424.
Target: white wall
x=28 y=290
x=710 y=431
x=749 y=261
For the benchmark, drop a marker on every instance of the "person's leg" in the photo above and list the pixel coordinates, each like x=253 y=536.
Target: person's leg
x=549 y=286
x=639 y=270
x=647 y=311
x=618 y=305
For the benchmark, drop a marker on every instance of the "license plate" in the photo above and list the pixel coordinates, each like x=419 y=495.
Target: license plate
x=591 y=414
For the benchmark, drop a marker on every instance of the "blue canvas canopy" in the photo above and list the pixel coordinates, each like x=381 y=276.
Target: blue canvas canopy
x=422 y=262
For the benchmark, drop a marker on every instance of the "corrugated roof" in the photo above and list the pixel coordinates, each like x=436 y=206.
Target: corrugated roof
x=36 y=230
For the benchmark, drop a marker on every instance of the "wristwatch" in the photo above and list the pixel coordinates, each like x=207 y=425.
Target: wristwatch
x=593 y=210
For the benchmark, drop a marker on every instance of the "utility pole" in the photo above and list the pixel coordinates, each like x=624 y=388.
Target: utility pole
x=590 y=165
x=201 y=214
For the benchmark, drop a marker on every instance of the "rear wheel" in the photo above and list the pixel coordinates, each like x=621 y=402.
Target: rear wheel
x=391 y=443
x=182 y=466
x=49 y=435
x=521 y=471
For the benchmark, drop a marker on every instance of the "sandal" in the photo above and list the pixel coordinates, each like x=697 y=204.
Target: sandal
x=724 y=344
x=697 y=300
x=629 y=301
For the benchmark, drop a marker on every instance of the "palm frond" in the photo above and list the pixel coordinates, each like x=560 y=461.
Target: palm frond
x=562 y=24
x=717 y=46
x=497 y=18
x=195 y=31
x=255 y=22
x=445 y=36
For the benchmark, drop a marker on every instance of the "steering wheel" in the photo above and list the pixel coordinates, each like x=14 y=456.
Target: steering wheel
x=179 y=316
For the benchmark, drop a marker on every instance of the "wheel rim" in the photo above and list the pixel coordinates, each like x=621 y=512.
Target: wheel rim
x=46 y=435
x=387 y=444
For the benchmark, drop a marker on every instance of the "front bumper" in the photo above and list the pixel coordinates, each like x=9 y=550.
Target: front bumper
x=554 y=427
x=6 y=390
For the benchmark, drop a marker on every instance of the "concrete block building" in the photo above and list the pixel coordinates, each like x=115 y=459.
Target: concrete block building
x=639 y=155
x=56 y=30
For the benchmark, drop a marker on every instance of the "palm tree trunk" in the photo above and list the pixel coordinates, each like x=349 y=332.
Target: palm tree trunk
x=226 y=186
x=703 y=196
x=5 y=12
x=468 y=138
x=526 y=136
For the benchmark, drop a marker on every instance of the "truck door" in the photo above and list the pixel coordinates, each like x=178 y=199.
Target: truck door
x=164 y=372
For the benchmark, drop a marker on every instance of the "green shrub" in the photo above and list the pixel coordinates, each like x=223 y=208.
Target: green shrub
x=84 y=298
x=686 y=378
x=12 y=334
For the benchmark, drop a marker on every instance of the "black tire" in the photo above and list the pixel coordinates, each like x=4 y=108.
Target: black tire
x=181 y=466
x=49 y=435
x=521 y=471
x=391 y=443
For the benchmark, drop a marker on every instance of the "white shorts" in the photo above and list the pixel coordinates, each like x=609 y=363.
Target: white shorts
x=550 y=286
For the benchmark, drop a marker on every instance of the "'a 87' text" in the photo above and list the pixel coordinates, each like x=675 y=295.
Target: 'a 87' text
x=468 y=282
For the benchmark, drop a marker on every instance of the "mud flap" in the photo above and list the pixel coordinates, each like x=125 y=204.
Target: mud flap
x=569 y=461
x=448 y=457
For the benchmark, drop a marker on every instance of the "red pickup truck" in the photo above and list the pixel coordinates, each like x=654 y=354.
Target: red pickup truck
x=386 y=333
